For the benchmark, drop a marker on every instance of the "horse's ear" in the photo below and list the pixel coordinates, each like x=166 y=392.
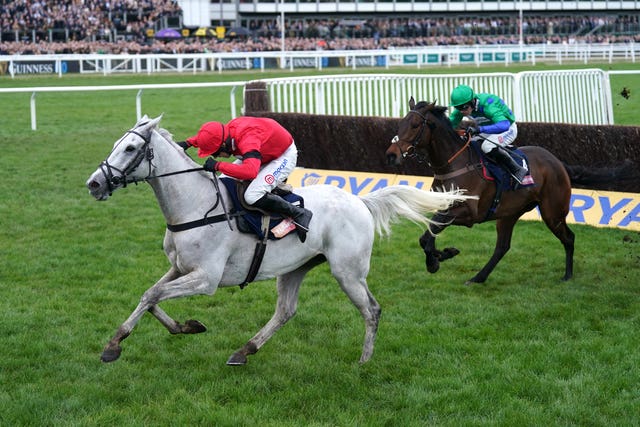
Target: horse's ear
x=412 y=103
x=154 y=122
x=146 y=124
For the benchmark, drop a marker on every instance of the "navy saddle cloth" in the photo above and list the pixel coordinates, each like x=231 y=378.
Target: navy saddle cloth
x=251 y=221
x=503 y=179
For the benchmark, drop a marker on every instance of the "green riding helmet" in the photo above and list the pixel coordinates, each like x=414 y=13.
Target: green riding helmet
x=461 y=95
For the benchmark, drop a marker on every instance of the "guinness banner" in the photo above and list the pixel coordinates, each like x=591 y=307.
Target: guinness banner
x=39 y=67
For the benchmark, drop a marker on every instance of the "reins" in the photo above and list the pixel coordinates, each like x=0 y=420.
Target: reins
x=147 y=153
x=461 y=150
x=149 y=178
x=412 y=152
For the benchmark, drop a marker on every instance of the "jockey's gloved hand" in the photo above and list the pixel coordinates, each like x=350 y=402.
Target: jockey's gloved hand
x=472 y=130
x=183 y=144
x=210 y=164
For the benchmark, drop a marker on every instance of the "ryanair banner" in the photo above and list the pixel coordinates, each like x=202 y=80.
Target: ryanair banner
x=589 y=207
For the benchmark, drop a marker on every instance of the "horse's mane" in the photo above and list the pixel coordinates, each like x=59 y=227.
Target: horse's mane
x=165 y=134
x=438 y=111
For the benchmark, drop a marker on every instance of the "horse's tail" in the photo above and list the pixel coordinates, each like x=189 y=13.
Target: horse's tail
x=389 y=204
x=583 y=175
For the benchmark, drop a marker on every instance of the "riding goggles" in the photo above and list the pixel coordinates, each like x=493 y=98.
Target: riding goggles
x=463 y=106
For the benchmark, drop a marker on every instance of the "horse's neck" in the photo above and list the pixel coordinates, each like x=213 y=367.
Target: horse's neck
x=183 y=197
x=449 y=154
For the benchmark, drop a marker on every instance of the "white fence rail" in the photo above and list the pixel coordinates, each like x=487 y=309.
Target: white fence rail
x=137 y=88
x=568 y=96
x=410 y=57
x=571 y=96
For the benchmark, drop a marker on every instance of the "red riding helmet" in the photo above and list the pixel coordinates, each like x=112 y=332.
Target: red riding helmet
x=209 y=138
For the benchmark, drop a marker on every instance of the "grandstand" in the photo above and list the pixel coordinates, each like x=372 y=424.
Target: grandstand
x=335 y=24
x=242 y=12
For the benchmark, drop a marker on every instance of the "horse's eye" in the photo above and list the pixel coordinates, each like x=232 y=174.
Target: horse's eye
x=130 y=148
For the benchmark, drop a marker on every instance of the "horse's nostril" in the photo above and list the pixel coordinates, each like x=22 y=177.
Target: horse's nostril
x=391 y=159
x=94 y=184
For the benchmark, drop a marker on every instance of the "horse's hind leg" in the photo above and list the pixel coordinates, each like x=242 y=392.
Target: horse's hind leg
x=559 y=228
x=286 y=306
x=351 y=275
x=362 y=298
x=504 y=227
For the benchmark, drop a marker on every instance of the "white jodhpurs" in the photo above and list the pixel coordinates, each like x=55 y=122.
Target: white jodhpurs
x=271 y=174
x=504 y=139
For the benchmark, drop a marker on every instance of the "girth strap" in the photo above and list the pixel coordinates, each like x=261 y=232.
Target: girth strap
x=258 y=254
x=200 y=222
x=494 y=204
x=457 y=172
x=261 y=245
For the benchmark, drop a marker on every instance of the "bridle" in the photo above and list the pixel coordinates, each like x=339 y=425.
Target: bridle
x=146 y=153
x=411 y=151
x=122 y=177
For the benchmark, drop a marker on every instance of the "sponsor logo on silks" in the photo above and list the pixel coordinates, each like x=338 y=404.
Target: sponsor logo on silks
x=269 y=179
x=278 y=171
x=500 y=140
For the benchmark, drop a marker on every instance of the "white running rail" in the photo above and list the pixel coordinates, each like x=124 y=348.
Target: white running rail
x=570 y=96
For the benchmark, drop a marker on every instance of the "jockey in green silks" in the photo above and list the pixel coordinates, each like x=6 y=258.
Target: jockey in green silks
x=488 y=118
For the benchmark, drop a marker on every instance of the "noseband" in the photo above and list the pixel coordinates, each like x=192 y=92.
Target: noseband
x=120 y=175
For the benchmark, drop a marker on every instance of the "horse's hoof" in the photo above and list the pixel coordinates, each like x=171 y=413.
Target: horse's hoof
x=193 y=327
x=111 y=354
x=473 y=281
x=433 y=267
x=449 y=253
x=237 y=359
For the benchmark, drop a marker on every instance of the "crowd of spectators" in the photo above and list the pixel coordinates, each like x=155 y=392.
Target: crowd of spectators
x=127 y=26
x=81 y=19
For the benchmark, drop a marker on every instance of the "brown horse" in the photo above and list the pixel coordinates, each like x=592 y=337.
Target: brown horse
x=425 y=132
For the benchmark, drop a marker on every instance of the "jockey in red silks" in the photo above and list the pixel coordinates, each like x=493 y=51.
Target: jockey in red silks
x=265 y=154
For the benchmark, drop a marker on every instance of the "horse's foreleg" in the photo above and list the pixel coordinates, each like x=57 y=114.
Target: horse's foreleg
x=189 y=327
x=286 y=306
x=428 y=243
x=167 y=287
x=504 y=227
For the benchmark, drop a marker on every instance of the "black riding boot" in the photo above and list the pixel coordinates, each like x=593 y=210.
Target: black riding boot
x=276 y=204
x=503 y=159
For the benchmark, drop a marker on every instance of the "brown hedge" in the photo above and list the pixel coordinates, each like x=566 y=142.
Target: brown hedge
x=359 y=144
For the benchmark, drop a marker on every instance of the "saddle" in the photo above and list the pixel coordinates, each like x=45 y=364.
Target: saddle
x=491 y=171
x=260 y=223
x=252 y=220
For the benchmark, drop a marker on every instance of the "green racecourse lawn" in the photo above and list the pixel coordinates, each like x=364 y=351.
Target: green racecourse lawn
x=523 y=349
